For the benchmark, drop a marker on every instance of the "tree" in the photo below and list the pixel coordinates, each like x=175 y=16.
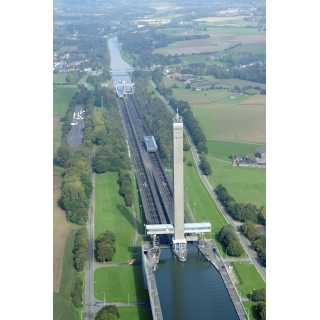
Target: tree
x=258 y=295
x=250 y=231
x=205 y=166
x=108 y=313
x=259 y=310
x=234 y=248
x=76 y=293
x=105 y=246
x=80 y=249
x=229 y=241
x=63 y=156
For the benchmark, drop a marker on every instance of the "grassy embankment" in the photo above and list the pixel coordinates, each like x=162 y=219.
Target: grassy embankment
x=118 y=284
x=248 y=280
x=62 y=95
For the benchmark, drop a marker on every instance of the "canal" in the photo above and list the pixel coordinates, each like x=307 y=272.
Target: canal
x=191 y=290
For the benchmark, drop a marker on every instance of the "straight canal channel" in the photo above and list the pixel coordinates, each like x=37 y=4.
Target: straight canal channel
x=190 y=290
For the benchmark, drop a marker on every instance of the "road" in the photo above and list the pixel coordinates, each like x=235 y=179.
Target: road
x=236 y=224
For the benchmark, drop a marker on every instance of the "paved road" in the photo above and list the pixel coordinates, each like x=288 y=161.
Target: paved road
x=236 y=224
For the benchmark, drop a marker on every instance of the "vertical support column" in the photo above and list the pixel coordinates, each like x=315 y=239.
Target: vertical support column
x=179 y=241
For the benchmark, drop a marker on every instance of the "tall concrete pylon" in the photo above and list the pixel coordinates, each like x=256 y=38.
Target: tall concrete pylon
x=179 y=240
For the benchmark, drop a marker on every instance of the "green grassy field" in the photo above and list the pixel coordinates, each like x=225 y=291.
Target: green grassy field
x=201 y=204
x=244 y=184
x=59 y=77
x=61 y=97
x=120 y=284
x=249 y=278
x=135 y=313
x=62 y=305
x=111 y=214
x=248 y=306
x=226 y=117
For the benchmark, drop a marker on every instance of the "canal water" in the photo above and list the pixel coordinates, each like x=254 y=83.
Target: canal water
x=190 y=290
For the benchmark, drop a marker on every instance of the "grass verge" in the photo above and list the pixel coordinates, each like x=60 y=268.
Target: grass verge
x=120 y=284
x=249 y=278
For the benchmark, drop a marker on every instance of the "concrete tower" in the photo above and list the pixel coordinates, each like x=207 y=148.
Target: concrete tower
x=179 y=241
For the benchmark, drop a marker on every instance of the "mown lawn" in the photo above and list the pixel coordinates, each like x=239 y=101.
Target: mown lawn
x=120 y=284
x=112 y=214
x=244 y=184
x=249 y=278
x=61 y=98
x=135 y=313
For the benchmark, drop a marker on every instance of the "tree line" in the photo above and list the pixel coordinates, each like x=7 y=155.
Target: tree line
x=250 y=215
x=255 y=71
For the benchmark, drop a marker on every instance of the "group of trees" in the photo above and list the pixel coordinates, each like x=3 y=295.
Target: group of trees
x=108 y=313
x=112 y=153
x=244 y=212
x=105 y=246
x=157 y=118
x=76 y=187
x=205 y=166
x=197 y=135
x=230 y=242
x=244 y=67
x=142 y=44
x=76 y=293
x=191 y=123
x=250 y=215
x=80 y=249
x=259 y=308
x=125 y=187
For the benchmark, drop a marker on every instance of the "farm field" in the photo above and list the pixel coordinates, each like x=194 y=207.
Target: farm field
x=62 y=304
x=111 y=214
x=249 y=278
x=220 y=38
x=120 y=284
x=61 y=97
x=61 y=230
x=244 y=184
x=225 y=117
